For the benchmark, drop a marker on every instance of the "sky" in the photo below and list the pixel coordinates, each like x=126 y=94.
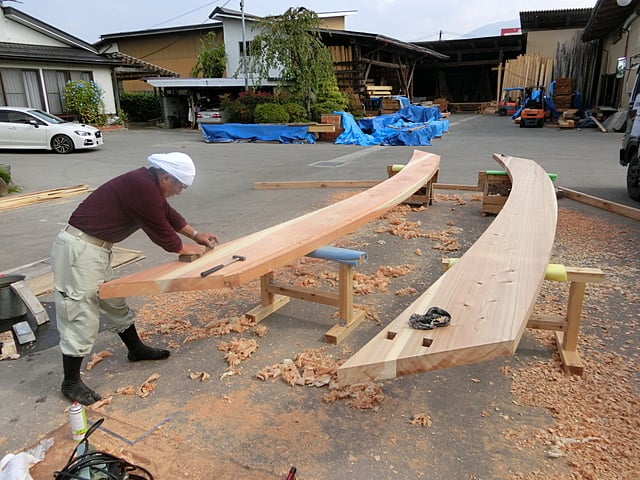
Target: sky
x=407 y=20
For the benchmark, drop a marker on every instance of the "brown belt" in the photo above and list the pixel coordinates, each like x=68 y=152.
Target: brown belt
x=76 y=232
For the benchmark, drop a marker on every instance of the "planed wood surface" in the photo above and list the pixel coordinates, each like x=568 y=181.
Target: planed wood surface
x=274 y=247
x=490 y=292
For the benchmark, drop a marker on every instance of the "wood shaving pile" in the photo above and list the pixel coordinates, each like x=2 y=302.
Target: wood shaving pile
x=597 y=426
x=363 y=396
x=379 y=281
x=317 y=369
x=238 y=350
x=189 y=314
x=456 y=198
x=444 y=240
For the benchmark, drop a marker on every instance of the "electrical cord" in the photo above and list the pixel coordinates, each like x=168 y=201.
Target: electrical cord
x=99 y=465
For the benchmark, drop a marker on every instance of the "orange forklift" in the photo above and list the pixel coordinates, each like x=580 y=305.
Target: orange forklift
x=534 y=111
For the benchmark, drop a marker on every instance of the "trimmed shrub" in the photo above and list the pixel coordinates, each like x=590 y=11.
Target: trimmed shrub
x=84 y=99
x=271 y=113
x=296 y=112
x=140 y=106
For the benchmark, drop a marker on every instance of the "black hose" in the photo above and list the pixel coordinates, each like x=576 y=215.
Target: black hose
x=109 y=466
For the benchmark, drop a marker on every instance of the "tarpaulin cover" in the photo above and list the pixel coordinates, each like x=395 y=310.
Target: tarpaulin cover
x=234 y=132
x=393 y=129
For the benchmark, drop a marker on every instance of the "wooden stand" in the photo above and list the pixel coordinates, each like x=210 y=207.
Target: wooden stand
x=495 y=188
x=273 y=296
x=424 y=196
x=566 y=327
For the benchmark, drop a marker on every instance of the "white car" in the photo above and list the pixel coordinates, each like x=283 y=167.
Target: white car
x=30 y=128
x=211 y=115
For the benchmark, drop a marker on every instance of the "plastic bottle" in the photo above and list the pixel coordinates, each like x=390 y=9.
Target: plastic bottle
x=78 y=421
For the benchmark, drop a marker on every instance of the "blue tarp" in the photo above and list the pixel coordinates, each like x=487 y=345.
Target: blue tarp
x=233 y=132
x=411 y=125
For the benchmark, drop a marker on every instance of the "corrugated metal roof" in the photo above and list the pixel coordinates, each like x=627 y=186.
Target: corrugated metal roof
x=554 y=19
x=382 y=41
x=21 y=51
x=607 y=17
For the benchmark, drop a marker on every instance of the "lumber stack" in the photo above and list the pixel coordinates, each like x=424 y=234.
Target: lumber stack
x=562 y=93
x=531 y=70
x=390 y=105
x=16 y=201
x=442 y=103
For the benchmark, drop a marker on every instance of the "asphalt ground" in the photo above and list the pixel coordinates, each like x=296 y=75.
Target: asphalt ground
x=258 y=427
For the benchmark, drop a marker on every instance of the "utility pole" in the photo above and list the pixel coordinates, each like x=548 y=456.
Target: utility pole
x=244 y=49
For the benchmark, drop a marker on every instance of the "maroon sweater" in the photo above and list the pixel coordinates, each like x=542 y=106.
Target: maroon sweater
x=126 y=203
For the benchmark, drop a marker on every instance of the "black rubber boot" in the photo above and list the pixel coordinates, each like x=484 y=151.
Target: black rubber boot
x=72 y=386
x=138 y=350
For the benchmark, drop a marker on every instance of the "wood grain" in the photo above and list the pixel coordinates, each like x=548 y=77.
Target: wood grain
x=490 y=292
x=274 y=247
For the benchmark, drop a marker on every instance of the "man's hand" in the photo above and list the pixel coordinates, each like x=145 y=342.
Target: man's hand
x=192 y=249
x=209 y=240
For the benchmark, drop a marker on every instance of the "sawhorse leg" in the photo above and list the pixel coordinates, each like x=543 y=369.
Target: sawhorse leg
x=567 y=342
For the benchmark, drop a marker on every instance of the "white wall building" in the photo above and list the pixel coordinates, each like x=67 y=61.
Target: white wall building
x=36 y=60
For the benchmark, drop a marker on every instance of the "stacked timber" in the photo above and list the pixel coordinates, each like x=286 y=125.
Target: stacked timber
x=562 y=93
x=443 y=104
x=531 y=70
x=390 y=105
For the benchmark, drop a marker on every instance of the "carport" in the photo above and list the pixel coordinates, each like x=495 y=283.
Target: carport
x=179 y=95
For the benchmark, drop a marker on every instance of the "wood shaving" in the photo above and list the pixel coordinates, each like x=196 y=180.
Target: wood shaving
x=96 y=358
x=143 y=391
x=404 y=292
x=98 y=406
x=421 y=420
x=202 y=376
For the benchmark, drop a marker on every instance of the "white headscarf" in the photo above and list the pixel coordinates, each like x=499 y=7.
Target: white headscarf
x=177 y=164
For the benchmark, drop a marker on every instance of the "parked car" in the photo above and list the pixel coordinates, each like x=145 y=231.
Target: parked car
x=30 y=128
x=211 y=115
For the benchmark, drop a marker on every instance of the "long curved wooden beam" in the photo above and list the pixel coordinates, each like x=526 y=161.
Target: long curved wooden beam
x=274 y=247
x=490 y=292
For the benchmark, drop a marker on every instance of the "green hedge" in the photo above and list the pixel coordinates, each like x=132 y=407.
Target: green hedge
x=271 y=113
x=140 y=106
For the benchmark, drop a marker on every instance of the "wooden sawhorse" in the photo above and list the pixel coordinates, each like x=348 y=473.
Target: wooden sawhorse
x=566 y=327
x=424 y=196
x=274 y=296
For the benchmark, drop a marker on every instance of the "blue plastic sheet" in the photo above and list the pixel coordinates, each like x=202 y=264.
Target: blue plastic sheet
x=234 y=132
x=394 y=129
x=341 y=255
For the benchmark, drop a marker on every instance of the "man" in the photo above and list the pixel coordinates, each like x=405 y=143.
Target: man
x=81 y=259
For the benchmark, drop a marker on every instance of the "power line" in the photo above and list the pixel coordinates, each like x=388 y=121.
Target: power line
x=187 y=13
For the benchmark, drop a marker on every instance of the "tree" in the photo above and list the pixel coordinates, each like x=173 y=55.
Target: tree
x=212 y=59
x=291 y=43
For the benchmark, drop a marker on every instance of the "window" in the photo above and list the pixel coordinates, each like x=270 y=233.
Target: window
x=24 y=88
x=13 y=87
x=249 y=47
x=54 y=82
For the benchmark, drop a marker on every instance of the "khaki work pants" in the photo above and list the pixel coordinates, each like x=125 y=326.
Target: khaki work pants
x=79 y=268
